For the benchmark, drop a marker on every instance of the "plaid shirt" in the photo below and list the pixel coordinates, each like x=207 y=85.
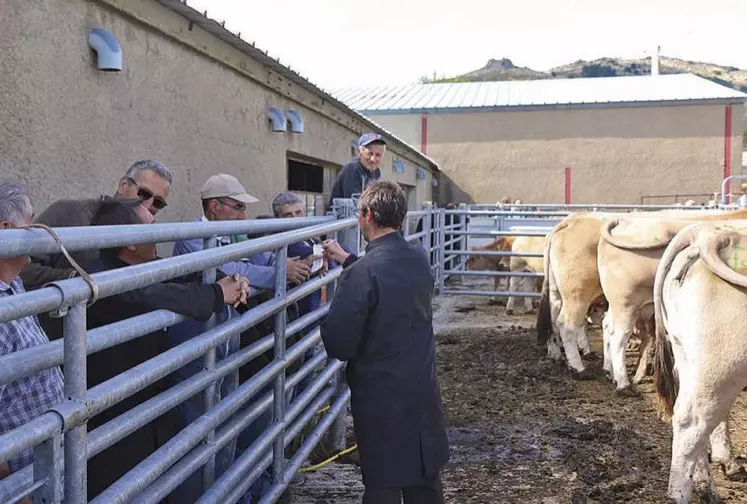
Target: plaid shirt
x=25 y=399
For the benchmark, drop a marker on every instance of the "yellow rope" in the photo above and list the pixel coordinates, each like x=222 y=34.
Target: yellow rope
x=323 y=410
x=329 y=460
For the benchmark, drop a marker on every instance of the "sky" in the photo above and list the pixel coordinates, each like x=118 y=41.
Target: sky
x=348 y=43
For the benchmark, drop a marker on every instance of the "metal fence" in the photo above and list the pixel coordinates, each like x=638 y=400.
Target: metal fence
x=465 y=231
x=64 y=429
x=60 y=438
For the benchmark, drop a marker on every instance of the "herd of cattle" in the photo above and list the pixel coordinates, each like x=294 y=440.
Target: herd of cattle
x=677 y=279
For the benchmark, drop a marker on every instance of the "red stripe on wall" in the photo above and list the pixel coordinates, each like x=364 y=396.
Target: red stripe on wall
x=727 y=151
x=567 y=186
x=424 y=134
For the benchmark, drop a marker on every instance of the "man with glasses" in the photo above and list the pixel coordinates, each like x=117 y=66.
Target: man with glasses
x=223 y=198
x=147 y=180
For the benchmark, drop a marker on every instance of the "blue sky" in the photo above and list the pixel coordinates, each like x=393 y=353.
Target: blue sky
x=342 y=43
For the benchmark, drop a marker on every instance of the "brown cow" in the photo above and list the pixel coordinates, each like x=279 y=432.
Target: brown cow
x=492 y=263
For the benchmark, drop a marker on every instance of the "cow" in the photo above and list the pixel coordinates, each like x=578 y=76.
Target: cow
x=519 y=245
x=571 y=284
x=492 y=262
x=700 y=309
x=628 y=253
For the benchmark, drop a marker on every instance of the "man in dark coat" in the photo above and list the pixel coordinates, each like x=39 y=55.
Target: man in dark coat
x=380 y=321
x=186 y=296
x=364 y=169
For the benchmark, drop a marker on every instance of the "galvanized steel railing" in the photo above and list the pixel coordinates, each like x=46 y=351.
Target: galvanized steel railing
x=156 y=476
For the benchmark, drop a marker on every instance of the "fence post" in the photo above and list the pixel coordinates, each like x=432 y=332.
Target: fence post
x=48 y=466
x=279 y=399
x=208 y=395
x=427 y=228
x=441 y=249
x=76 y=439
x=351 y=239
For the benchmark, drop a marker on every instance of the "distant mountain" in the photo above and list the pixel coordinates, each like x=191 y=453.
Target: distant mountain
x=504 y=69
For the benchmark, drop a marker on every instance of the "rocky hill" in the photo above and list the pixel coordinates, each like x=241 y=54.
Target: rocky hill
x=504 y=69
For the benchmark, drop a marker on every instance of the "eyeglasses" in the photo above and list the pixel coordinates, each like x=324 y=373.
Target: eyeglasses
x=240 y=207
x=145 y=194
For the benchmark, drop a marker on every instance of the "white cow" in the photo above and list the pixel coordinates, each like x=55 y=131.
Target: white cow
x=700 y=306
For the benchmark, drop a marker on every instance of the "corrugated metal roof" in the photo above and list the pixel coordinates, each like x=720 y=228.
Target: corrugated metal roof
x=219 y=31
x=600 y=91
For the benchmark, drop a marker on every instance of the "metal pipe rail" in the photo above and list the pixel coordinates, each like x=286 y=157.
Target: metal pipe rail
x=70 y=292
x=20 y=242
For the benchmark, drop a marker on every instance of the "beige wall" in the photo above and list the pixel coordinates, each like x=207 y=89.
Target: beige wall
x=616 y=155
x=184 y=97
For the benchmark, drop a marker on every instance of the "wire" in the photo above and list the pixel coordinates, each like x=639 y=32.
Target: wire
x=85 y=276
x=329 y=460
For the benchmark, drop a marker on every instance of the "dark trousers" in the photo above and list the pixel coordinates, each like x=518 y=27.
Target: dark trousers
x=430 y=492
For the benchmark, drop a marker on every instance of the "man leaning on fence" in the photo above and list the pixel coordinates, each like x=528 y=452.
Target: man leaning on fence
x=22 y=400
x=380 y=321
x=147 y=180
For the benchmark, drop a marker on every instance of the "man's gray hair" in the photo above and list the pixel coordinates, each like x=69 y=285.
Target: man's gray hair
x=285 y=198
x=149 y=164
x=15 y=203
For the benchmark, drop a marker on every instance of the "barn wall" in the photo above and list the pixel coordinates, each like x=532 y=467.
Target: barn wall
x=184 y=97
x=617 y=155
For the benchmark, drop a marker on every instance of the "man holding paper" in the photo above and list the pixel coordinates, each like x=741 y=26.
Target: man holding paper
x=381 y=322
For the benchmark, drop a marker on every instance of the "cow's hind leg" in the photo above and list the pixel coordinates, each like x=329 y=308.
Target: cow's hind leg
x=696 y=414
x=619 y=327
x=646 y=350
x=721 y=452
x=571 y=328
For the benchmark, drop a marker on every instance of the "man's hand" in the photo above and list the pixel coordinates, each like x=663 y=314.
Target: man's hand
x=235 y=289
x=297 y=271
x=334 y=251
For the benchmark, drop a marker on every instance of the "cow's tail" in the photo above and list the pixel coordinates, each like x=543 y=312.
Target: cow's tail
x=544 y=311
x=606 y=235
x=666 y=381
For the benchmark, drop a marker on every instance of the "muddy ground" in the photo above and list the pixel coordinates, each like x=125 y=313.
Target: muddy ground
x=523 y=431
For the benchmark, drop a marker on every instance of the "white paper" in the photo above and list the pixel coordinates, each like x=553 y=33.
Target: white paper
x=317 y=264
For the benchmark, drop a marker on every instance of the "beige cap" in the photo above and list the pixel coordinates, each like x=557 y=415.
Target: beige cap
x=225 y=186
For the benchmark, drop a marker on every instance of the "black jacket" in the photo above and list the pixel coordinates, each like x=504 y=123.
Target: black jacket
x=353 y=178
x=185 y=296
x=380 y=321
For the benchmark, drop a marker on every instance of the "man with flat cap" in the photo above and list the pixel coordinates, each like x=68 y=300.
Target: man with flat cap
x=364 y=169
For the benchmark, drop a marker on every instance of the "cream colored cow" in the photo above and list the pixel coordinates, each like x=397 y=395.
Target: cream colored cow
x=520 y=244
x=628 y=253
x=572 y=283
x=523 y=264
x=700 y=306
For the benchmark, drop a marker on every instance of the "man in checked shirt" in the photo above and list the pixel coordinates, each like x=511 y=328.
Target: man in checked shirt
x=25 y=399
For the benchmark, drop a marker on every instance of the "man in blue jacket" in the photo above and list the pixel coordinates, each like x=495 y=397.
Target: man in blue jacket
x=364 y=169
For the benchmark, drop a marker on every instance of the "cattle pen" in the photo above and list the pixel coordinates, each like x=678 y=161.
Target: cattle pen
x=521 y=428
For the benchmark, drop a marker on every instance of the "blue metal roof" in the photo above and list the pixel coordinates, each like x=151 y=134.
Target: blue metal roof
x=600 y=91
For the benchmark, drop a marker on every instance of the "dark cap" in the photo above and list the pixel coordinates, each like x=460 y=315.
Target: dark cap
x=369 y=138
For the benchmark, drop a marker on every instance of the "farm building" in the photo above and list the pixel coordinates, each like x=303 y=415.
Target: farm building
x=646 y=139
x=189 y=93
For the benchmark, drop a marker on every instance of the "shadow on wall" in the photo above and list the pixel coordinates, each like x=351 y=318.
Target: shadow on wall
x=451 y=192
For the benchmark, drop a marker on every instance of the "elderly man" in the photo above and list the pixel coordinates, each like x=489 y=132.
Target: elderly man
x=26 y=398
x=147 y=180
x=364 y=169
x=380 y=321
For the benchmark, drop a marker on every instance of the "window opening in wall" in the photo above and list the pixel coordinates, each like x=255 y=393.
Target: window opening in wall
x=305 y=177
